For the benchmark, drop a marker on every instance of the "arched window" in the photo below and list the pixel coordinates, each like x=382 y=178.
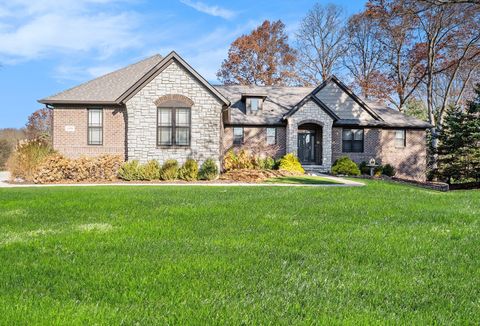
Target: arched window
x=173 y=120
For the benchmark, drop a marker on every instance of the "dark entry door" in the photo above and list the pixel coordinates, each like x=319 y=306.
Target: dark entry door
x=306 y=146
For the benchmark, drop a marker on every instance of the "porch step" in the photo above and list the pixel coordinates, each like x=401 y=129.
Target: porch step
x=315 y=169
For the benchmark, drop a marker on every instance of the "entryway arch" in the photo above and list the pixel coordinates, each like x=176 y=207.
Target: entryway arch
x=310 y=140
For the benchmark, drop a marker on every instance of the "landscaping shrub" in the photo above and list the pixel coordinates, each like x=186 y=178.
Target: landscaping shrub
x=267 y=163
x=208 y=170
x=189 y=170
x=129 y=171
x=345 y=166
x=291 y=163
x=57 y=168
x=5 y=151
x=245 y=160
x=253 y=175
x=26 y=157
x=364 y=169
x=230 y=161
x=149 y=171
x=389 y=170
x=378 y=171
x=169 y=170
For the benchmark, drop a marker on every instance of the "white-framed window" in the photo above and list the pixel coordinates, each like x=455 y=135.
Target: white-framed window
x=95 y=127
x=254 y=104
x=237 y=135
x=271 y=136
x=400 y=138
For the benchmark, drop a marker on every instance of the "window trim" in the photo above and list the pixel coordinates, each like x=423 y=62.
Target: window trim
x=96 y=127
x=404 y=144
x=275 y=136
x=353 y=140
x=243 y=136
x=173 y=126
x=249 y=104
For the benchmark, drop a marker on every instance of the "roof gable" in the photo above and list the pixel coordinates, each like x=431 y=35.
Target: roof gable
x=161 y=66
x=119 y=86
x=339 y=101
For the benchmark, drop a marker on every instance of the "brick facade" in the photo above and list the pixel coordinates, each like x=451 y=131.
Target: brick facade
x=371 y=149
x=70 y=132
x=175 y=82
x=131 y=130
x=410 y=161
x=255 y=140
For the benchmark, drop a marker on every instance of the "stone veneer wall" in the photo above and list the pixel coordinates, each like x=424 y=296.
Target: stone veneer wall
x=255 y=140
x=310 y=112
x=410 y=162
x=206 y=118
x=75 y=143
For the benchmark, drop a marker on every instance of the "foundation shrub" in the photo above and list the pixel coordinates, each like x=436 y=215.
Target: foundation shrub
x=291 y=164
x=57 y=168
x=364 y=169
x=245 y=160
x=345 y=166
x=389 y=170
x=230 y=161
x=169 y=170
x=149 y=171
x=267 y=163
x=129 y=171
x=189 y=170
x=208 y=170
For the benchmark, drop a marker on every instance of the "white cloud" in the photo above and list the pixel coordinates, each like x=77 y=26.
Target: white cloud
x=43 y=27
x=209 y=10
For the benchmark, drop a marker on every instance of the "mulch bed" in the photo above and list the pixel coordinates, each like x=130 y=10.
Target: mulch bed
x=241 y=176
x=253 y=176
x=465 y=186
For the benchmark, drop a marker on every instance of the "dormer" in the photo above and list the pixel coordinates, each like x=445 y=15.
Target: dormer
x=253 y=102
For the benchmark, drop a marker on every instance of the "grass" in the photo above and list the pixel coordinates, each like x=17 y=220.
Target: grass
x=380 y=254
x=304 y=179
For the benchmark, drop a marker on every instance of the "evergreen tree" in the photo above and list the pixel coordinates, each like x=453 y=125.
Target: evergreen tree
x=459 y=150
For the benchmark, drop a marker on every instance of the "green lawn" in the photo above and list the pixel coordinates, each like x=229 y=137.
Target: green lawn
x=380 y=254
x=304 y=179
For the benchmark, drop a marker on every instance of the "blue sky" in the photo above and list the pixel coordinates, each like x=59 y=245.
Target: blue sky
x=47 y=46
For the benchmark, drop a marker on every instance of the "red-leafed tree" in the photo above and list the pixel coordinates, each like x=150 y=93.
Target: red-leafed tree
x=39 y=124
x=262 y=57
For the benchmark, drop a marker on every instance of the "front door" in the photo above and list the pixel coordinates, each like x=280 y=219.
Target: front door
x=306 y=146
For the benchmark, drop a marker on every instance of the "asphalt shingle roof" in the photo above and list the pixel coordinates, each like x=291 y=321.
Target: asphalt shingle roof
x=279 y=101
x=107 y=88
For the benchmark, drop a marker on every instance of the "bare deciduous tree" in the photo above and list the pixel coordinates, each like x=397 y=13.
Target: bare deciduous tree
x=321 y=43
x=364 y=55
x=449 y=2
x=401 y=57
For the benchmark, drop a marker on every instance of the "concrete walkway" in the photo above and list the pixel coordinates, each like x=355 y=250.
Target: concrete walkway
x=4 y=176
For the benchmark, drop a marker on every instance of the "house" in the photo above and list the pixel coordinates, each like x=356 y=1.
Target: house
x=161 y=108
